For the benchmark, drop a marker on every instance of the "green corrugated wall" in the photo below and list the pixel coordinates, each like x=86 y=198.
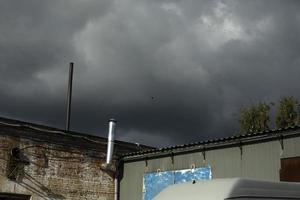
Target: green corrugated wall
x=259 y=161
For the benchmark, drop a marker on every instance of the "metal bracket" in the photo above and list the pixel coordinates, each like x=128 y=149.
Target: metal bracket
x=146 y=165
x=16 y=163
x=281 y=144
x=203 y=154
x=193 y=166
x=241 y=149
x=172 y=159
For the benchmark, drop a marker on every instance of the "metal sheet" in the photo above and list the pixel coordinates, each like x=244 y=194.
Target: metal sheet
x=291 y=147
x=259 y=161
x=157 y=181
x=131 y=186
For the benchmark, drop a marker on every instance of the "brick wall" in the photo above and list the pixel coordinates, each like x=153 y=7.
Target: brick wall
x=56 y=171
x=60 y=165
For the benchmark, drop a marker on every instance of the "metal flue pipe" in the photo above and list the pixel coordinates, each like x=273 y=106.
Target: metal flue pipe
x=69 y=96
x=110 y=141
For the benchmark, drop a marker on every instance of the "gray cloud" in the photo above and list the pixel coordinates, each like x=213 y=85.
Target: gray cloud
x=170 y=71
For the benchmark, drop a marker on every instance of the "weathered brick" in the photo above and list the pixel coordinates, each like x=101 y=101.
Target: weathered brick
x=62 y=165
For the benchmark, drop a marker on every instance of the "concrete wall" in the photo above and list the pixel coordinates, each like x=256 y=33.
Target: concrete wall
x=55 y=171
x=259 y=161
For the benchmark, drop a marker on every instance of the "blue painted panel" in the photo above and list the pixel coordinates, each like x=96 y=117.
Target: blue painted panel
x=182 y=176
x=156 y=182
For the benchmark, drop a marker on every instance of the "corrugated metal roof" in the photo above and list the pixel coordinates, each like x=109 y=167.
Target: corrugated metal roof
x=217 y=143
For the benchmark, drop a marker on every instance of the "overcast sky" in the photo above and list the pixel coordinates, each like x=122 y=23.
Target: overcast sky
x=170 y=71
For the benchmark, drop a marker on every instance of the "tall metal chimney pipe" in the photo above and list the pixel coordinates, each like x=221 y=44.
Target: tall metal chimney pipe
x=111 y=139
x=69 y=96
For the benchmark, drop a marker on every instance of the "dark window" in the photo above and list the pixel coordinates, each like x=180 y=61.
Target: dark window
x=290 y=169
x=9 y=196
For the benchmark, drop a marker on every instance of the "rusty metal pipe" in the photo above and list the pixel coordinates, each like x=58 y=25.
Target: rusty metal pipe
x=69 y=96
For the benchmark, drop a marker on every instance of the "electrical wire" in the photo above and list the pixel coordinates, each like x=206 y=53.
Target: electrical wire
x=53 y=157
x=51 y=131
x=56 y=132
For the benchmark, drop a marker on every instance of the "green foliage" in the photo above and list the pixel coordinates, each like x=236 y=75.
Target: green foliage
x=255 y=118
x=287 y=115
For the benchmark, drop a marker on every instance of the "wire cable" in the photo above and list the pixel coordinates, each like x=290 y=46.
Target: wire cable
x=51 y=131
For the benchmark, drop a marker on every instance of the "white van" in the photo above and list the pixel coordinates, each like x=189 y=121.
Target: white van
x=234 y=188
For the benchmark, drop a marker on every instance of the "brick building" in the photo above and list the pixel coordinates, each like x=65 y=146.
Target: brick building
x=39 y=162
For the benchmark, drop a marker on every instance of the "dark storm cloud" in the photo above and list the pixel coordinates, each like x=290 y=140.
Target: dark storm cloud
x=35 y=43
x=170 y=71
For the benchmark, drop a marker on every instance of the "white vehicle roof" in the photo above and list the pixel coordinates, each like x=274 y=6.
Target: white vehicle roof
x=234 y=188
